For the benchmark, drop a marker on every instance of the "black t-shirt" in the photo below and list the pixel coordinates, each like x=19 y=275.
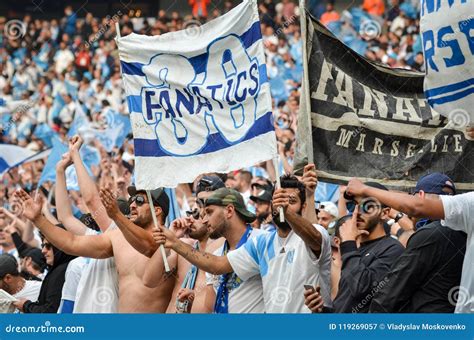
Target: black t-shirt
x=423 y=278
x=364 y=271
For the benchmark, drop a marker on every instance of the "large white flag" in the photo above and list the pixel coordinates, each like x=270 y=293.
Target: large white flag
x=199 y=99
x=448 y=44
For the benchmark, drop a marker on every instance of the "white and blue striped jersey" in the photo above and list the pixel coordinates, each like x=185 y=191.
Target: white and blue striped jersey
x=285 y=266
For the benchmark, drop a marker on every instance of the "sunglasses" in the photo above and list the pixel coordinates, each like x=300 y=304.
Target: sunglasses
x=48 y=246
x=195 y=213
x=366 y=206
x=138 y=199
x=201 y=202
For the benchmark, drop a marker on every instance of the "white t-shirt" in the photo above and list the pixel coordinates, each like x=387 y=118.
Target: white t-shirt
x=98 y=289
x=284 y=274
x=459 y=215
x=72 y=278
x=245 y=296
x=30 y=291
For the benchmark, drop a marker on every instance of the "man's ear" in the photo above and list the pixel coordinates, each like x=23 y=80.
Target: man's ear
x=158 y=212
x=8 y=278
x=421 y=193
x=229 y=211
x=385 y=214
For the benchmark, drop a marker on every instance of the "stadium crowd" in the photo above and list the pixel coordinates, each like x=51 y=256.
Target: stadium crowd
x=95 y=249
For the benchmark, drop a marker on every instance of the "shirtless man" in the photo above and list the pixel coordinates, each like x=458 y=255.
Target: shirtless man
x=200 y=299
x=194 y=294
x=134 y=296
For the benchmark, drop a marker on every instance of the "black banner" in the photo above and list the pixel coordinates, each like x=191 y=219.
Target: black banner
x=373 y=122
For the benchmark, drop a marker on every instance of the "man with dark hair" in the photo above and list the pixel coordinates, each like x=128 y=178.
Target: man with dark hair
x=226 y=216
x=421 y=279
x=244 y=181
x=190 y=283
x=364 y=266
x=455 y=212
x=13 y=282
x=297 y=254
x=134 y=296
x=33 y=264
x=263 y=209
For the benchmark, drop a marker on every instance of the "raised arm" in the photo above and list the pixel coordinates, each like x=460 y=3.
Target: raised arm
x=139 y=238
x=310 y=181
x=209 y=263
x=301 y=226
x=26 y=229
x=413 y=206
x=88 y=188
x=64 y=210
x=97 y=246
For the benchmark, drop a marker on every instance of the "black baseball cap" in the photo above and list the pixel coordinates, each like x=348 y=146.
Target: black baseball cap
x=209 y=183
x=158 y=196
x=8 y=265
x=37 y=257
x=262 y=196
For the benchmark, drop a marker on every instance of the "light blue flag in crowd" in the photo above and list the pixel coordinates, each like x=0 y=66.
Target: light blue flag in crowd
x=174 y=211
x=49 y=170
x=199 y=100
x=45 y=133
x=80 y=120
x=89 y=156
x=117 y=128
x=448 y=48
x=72 y=89
x=58 y=104
x=12 y=155
x=326 y=192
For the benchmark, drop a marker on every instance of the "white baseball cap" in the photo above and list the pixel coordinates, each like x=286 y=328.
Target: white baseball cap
x=330 y=208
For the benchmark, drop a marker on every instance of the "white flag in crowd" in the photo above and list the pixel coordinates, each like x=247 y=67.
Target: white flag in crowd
x=199 y=99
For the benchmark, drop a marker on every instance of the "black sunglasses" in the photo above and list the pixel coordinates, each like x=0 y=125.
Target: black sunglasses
x=138 y=199
x=48 y=246
x=195 y=213
x=201 y=202
x=204 y=185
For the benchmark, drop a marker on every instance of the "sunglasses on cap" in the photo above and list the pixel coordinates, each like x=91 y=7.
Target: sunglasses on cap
x=138 y=199
x=201 y=202
x=48 y=246
x=204 y=184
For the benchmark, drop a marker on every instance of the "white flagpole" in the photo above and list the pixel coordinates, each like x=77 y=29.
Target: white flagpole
x=277 y=173
x=155 y=221
x=305 y=86
x=148 y=194
x=117 y=29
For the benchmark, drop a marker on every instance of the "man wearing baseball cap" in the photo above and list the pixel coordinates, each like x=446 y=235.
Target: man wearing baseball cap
x=134 y=295
x=285 y=261
x=188 y=295
x=421 y=279
x=226 y=216
x=327 y=215
x=13 y=283
x=455 y=211
x=263 y=209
